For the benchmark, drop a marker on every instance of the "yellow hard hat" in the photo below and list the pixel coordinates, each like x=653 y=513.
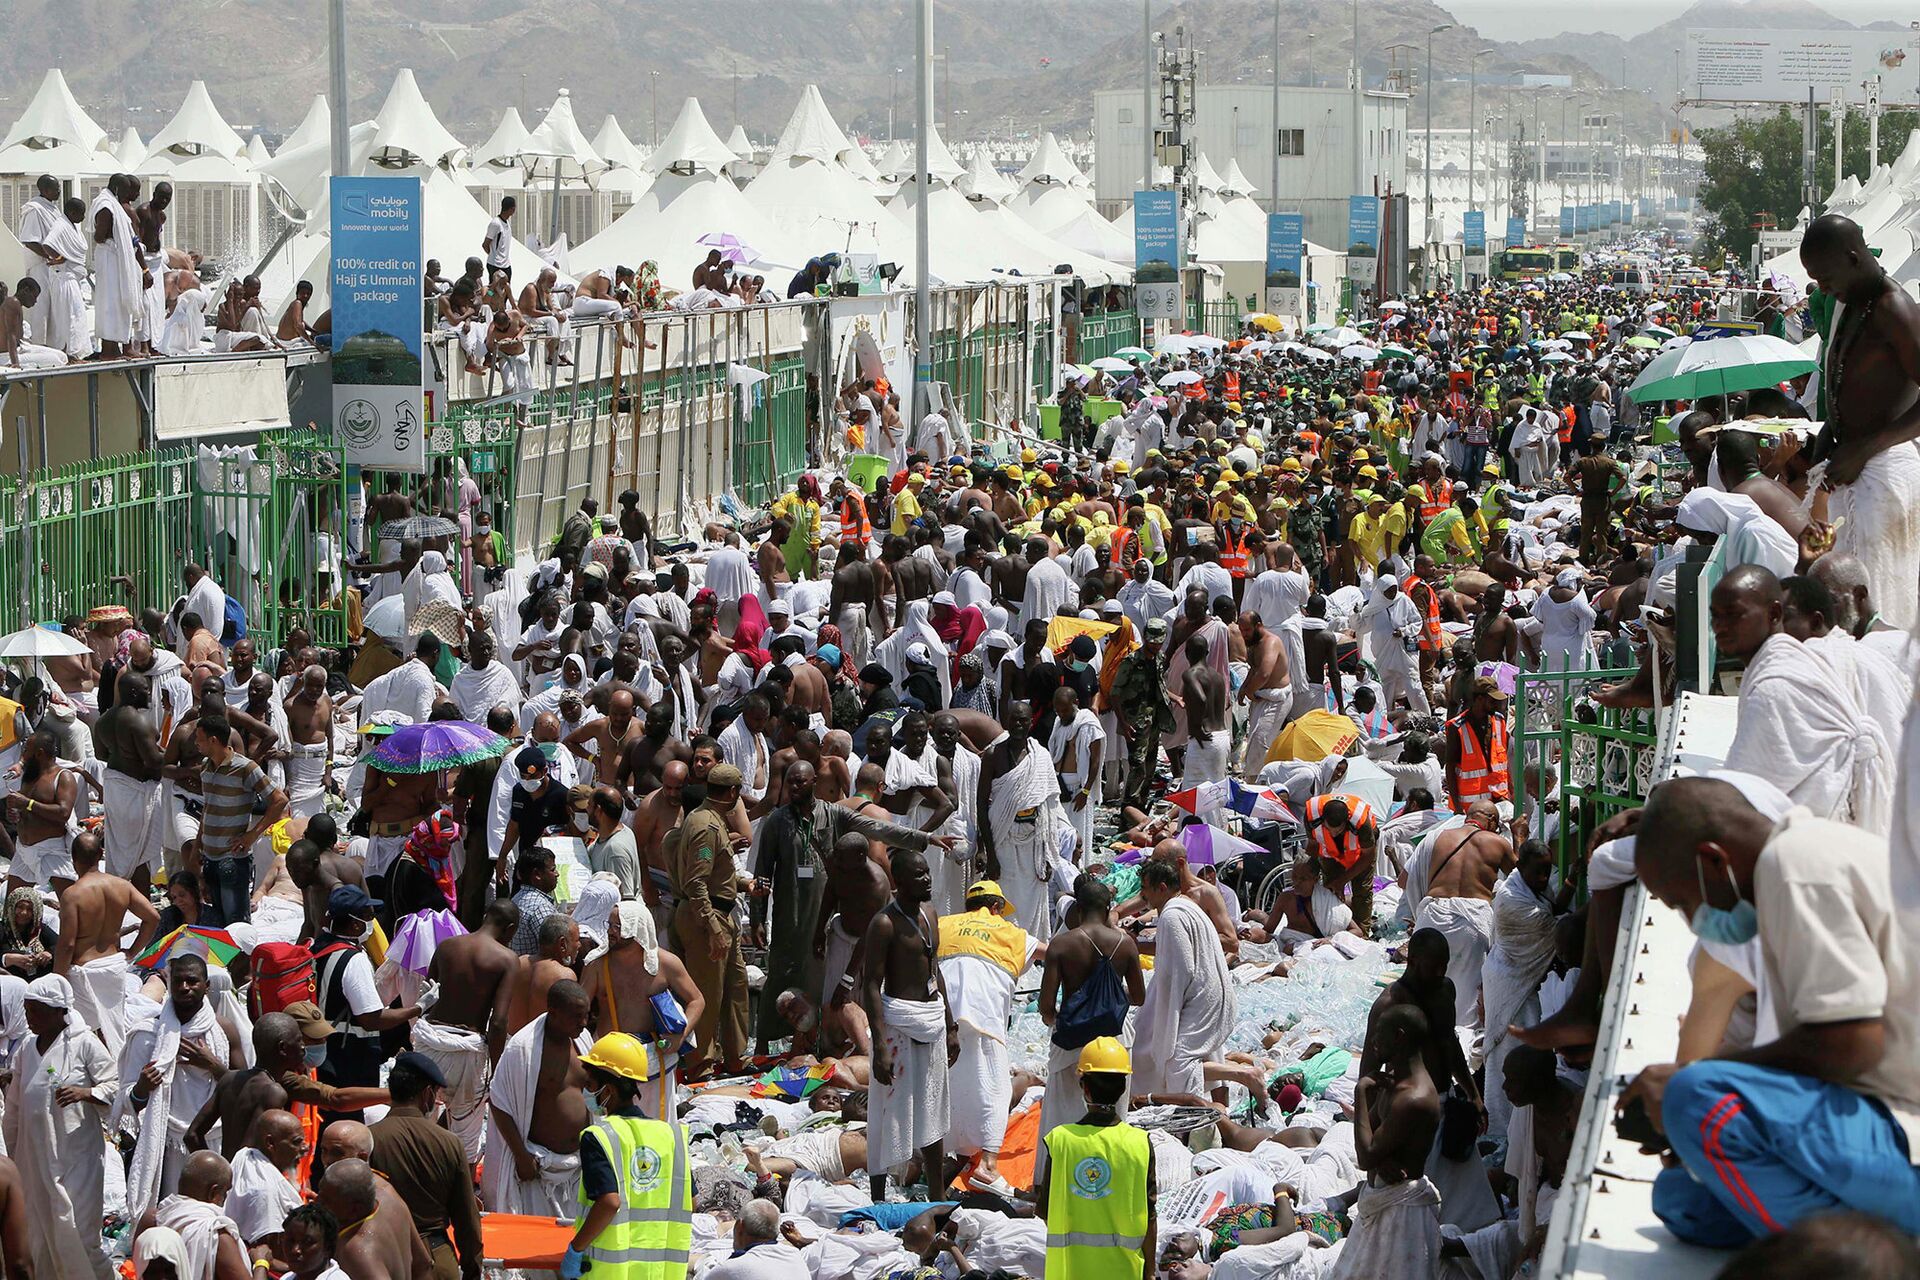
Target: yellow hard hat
x=1121 y=466
x=1029 y=456
x=1361 y=455
x=1105 y=1054
x=1290 y=463
x=619 y=1053
x=1370 y=473
x=1015 y=474
x=1254 y=441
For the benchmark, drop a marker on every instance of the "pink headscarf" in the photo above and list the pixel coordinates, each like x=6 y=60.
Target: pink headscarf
x=746 y=636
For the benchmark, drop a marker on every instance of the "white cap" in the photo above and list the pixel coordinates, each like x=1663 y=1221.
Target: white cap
x=779 y=606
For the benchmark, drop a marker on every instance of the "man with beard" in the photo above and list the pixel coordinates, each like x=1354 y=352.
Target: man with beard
x=623 y=981
x=791 y=874
x=646 y=757
x=1020 y=795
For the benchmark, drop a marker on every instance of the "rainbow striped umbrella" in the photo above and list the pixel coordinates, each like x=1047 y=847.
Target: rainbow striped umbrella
x=215 y=945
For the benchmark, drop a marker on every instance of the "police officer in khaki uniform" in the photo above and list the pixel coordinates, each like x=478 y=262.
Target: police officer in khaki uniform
x=706 y=883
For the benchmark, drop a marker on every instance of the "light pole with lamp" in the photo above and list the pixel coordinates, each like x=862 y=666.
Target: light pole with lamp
x=653 y=79
x=1426 y=91
x=1473 y=96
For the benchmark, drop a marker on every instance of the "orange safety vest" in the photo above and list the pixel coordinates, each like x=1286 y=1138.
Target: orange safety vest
x=1126 y=548
x=1481 y=771
x=1430 y=635
x=1439 y=498
x=1232 y=385
x=1196 y=391
x=854 y=528
x=1344 y=848
x=1566 y=425
x=1233 y=555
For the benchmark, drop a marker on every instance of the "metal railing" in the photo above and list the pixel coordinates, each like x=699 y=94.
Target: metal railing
x=1102 y=333
x=1603 y=759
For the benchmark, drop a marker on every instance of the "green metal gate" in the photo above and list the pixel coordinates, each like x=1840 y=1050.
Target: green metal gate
x=1603 y=759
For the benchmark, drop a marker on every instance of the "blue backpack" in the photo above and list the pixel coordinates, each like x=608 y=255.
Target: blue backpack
x=235 y=627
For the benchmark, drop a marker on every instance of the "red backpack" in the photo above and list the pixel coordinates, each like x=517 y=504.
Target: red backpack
x=284 y=973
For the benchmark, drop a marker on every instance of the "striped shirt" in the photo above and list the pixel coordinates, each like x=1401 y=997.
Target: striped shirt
x=229 y=792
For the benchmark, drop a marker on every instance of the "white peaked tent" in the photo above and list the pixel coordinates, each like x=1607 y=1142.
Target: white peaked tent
x=54 y=135
x=257 y=153
x=496 y=162
x=965 y=243
x=626 y=162
x=556 y=146
x=1048 y=165
x=895 y=162
x=131 y=151
x=983 y=181
x=817 y=203
x=689 y=198
x=812 y=133
x=197 y=132
x=739 y=143
x=1234 y=181
x=216 y=210
x=315 y=126
x=408 y=131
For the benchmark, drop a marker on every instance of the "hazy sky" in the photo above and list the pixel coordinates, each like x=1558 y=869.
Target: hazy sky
x=1525 y=19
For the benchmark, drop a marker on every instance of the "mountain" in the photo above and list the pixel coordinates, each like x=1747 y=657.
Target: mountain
x=1015 y=67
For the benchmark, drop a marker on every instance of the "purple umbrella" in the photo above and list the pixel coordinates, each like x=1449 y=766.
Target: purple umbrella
x=732 y=248
x=436 y=745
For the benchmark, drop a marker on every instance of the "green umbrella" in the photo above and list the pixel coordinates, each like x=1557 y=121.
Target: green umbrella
x=1719 y=366
x=1398 y=353
x=1322 y=327
x=1643 y=342
x=1130 y=353
x=1660 y=331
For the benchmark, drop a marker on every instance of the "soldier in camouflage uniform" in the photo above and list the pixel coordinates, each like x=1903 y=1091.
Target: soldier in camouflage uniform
x=1139 y=700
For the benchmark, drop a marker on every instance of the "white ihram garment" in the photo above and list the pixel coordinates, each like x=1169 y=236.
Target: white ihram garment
x=913 y=1111
x=1882 y=687
x=118 y=300
x=162 y=1123
x=61 y=1151
x=1522 y=950
x=461 y=1056
x=981 y=993
x=39 y=217
x=1396 y=1233
x=1073 y=742
x=261 y=1196
x=1189 y=1006
x=1026 y=846
x=200 y=1226
x=64 y=305
x=100 y=999
x=516 y=1077
x=1882 y=527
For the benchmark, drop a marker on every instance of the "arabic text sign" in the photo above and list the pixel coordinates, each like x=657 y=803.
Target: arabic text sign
x=378 y=408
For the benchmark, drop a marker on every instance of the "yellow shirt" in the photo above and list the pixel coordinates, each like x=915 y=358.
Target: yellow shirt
x=1369 y=538
x=906 y=507
x=1229 y=505
x=990 y=937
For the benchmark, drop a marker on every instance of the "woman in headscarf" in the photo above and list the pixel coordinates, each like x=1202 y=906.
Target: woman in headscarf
x=741 y=670
x=802 y=508
x=26 y=942
x=646 y=287
x=829 y=634
x=429 y=581
x=918 y=628
x=960 y=628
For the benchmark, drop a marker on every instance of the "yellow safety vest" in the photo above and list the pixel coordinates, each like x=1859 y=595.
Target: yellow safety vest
x=1096 y=1201
x=9 y=724
x=652 y=1234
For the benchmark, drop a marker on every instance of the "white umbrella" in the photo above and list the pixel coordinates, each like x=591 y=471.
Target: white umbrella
x=1111 y=364
x=1560 y=277
x=41 y=642
x=1315 y=353
x=1179 y=378
x=1340 y=337
x=1360 y=351
x=1576 y=336
x=1556 y=344
x=1205 y=340
x=1555 y=357
x=1393 y=305
x=1175 y=344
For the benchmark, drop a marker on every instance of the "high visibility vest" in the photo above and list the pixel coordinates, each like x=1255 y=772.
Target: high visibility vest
x=1096 y=1201
x=1232 y=385
x=651 y=1234
x=1126 y=548
x=1233 y=554
x=854 y=528
x=1344 y=848
x=1439 y=498
x=1430 y=634
x=1482 y=768
x=1566 y=425
x=9 y=723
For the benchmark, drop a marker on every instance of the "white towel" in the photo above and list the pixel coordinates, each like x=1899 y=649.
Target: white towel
x=912 y=1111
x=1396 y=1233
x=515 y=1078
x=260 y=1197
x=461 y=1056
x=171 y=1107
x=200 y=1226
x=1468 y=926
x=1189 y=1006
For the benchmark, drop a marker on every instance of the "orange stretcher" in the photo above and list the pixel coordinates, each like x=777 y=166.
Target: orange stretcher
x=524 y=1242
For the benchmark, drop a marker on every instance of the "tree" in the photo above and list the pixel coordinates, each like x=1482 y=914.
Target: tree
x=1753 y=170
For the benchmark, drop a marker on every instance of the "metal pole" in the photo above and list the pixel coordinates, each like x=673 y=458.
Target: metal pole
x=1839 y=134
x=653 y=79
x=1359 y=144
x=1473 y=136
x=1147 y=105
x=1273 y=134
x=337 y=84
x=922 y=236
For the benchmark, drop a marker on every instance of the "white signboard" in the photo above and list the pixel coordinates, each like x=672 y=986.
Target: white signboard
x=1749 y=65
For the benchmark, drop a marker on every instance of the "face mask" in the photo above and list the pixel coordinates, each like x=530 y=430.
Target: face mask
x=1732 y=926
x=316 y=1054
x=529 y=785
x=362 y=934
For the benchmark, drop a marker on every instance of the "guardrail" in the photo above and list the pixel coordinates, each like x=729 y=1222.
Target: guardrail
x=1602 y=759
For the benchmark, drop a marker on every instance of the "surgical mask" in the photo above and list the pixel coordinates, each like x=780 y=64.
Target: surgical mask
x=530 y=785
x=316 y=1054
x=363 y=933
x=1731 y=926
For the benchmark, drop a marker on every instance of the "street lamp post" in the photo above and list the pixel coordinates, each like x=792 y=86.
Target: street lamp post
x=1273 y=133
x=653 y=79
x=1473 y=96
x=1426 y=91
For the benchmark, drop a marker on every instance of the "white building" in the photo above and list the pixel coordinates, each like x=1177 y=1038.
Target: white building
x=1316 y=139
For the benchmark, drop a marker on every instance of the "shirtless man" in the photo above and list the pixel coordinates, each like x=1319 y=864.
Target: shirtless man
x=856 y=890
x=900 y=943
x=318 y=870
x=657 y=814
x=650 y=753
x=1267 y=691
x=309 y=712
x=231 y=319
x=1426 y=988
x=93 y=909
x=861 y=583
x=1396 y=1112
x=1464 y=867
x=536 y=304
x=1008 y=578
x=606 y=740
x=1871 y=385
x=810 y=691
x=293 y=321
x=1495 y=637
x=560 y=1105
x=278 y=1078
x=39 y=811
x=833 y=775
x=1322 y=649
x=869 y=786
x=621 y=986
x=128 y=741
x=558 y=940
x=1203 y=696
x=378 y=1240
x=1091 y=939
x=476 y=973
x=1207 y=896
x=769 y=561
x=912 y=576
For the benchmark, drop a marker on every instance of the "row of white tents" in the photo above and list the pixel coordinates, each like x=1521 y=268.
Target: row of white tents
x=816 y=191
x=1887 y=207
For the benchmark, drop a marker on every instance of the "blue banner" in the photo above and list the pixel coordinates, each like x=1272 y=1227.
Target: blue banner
x=1286 y=234
x=1566 y=219
x=1363 y=238
x=1157 y=254
x=378 y=408
x=1473 y=229
x=1516 y=232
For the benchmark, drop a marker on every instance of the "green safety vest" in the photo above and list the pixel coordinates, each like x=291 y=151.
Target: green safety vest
x=1096 y=1201
x=652 y=1234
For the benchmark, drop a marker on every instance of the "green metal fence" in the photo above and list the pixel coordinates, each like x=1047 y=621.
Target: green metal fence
x=1104 y=332
x=1602 y=759
x=1221 y=319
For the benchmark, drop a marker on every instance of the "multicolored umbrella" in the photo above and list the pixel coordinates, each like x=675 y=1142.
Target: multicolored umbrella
x=216 y=945
x=1210 y=846
x=1260 y=804
x=436 y=745
x=417 y=935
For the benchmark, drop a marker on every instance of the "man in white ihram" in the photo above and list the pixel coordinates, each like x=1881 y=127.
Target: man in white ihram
x=1183 y=1023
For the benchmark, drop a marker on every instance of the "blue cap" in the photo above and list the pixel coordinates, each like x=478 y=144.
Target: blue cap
x=351 y=900
x=829 y=654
